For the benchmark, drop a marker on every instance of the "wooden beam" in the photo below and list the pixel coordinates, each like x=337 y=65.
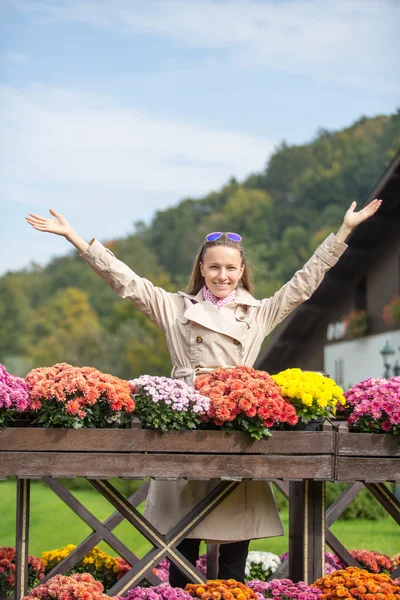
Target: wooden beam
x=386 y=499
x=342 y=502
x=100 y=532
x=22 y=538
x=338 y=548
x=306 y=530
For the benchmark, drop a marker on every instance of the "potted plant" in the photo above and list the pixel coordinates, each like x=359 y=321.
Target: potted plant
x=313 y=395
x=67 y=396
x=162 y=403
x=14 y=397
x=391 y=312
x=356 y=323
x=373 y=406
x=242 y=398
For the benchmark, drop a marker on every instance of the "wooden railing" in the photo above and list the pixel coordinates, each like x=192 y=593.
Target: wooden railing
x=299 y=463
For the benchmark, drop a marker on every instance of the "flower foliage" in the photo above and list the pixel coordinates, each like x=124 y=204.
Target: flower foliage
x=159 y=592
x=260 y=565
x=67 y=396
x=373 y=406
x=357 y=583
x=104 y=568
x=285 y=589
x=374 y=562
x=356 y=323
x=244 y=398
x=14 y=396
x=312 y=394
x=220 y=589
x=80 y=586
x=163 y=403
x=391 y=312
x=7 y=571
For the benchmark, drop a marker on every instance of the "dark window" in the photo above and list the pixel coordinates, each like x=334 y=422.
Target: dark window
x=360 y=295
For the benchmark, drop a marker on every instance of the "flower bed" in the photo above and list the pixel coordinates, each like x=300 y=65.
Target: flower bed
x=285 y=589
x=7 y=571
x=104 y=568
x=357 y=583
x=220 y=589
x=261 y=565
x=76 y=587
x=159 y=592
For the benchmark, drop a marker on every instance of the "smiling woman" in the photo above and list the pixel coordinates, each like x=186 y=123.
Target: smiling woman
x=215 y=323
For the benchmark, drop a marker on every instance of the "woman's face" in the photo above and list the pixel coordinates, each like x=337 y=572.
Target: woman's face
x=222 y=269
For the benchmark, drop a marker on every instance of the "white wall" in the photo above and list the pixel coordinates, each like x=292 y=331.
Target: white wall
x=352 y=361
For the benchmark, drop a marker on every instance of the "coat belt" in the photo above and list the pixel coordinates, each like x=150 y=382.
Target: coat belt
x=189 y=373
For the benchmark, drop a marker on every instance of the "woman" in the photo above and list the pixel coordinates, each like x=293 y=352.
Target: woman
x=216 y=323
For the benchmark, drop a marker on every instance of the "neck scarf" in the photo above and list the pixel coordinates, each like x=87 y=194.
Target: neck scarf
x=218 y=302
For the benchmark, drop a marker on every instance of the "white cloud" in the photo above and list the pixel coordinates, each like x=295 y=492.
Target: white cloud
x=351 y=41
x=90 y=148
x=14 y=56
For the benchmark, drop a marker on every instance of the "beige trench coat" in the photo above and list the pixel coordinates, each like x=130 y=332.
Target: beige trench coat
x=200 y=338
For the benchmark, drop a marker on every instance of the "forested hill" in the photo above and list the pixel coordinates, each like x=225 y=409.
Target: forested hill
x=64 y=312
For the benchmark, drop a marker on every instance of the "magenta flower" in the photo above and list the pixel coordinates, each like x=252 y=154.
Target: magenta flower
x=284 y=589
x=373 y=406
x=159 y=592
x=14 y=395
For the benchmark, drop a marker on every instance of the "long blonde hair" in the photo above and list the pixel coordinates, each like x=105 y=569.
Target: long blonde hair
x=196 y=281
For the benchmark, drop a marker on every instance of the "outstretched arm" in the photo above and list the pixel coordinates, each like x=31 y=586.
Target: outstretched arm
x=59 y=226
x=352 y=218
x=304 y=283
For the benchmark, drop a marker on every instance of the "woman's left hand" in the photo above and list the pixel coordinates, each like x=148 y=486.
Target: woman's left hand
x=352 y=218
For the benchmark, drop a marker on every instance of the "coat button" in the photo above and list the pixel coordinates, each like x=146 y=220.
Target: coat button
x=236 y=342
x=199 y=366
x=199 y=339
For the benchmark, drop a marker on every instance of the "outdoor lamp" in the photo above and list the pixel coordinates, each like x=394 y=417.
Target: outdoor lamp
x=387 y=354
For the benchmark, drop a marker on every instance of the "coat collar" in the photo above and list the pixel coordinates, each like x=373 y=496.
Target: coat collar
x=242 y=297
x=206 y=314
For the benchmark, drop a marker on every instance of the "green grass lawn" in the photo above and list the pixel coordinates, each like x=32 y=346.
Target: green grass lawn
x=53 y=524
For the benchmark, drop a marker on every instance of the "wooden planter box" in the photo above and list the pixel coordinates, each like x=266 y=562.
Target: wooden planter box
x=371 y=457
x=137 y=453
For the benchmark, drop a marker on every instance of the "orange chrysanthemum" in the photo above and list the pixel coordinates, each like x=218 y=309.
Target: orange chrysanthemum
x=63 y=395
x=244 y=398
x=357 y=583
x=220 y=589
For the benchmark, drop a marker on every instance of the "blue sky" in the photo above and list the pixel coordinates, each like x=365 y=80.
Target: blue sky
x=113 y=109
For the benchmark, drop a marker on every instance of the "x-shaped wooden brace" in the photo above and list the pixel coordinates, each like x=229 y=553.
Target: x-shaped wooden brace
x=164 y=545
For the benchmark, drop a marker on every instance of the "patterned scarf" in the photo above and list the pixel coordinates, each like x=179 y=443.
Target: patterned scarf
x=218 y=302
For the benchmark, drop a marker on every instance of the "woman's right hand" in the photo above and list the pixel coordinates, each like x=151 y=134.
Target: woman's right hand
x=59 y=225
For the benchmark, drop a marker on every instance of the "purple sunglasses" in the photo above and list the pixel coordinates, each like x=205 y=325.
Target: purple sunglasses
x=215 y=235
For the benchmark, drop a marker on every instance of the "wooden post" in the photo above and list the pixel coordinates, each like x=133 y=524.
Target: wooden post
x=306 y=530
x=212 y=561
x=22 y=538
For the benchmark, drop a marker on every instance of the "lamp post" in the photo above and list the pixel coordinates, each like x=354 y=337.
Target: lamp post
x=387 y=354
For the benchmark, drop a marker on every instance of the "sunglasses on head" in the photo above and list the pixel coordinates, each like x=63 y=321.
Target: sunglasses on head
x=215 y=235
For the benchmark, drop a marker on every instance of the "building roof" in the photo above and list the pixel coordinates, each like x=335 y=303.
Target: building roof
x=363 y=243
